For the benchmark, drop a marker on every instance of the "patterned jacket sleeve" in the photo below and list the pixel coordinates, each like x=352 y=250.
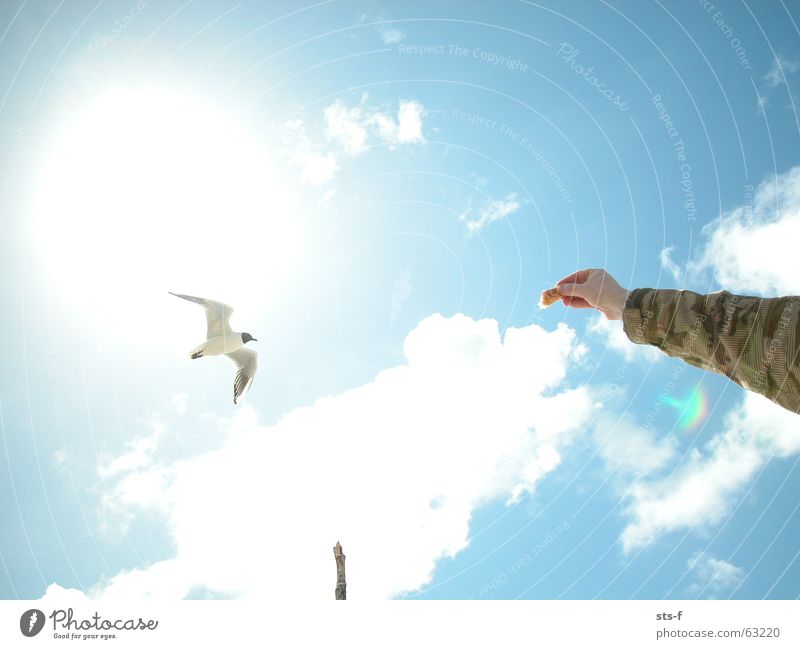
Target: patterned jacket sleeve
x=753 y=341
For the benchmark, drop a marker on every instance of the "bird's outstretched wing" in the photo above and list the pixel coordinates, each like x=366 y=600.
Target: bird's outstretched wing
x=245 y=360
x=218 y=314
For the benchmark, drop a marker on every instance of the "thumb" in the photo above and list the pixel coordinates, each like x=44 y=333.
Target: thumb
x=572 y=290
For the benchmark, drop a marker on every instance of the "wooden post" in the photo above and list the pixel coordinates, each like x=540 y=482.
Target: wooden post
x=341 y=582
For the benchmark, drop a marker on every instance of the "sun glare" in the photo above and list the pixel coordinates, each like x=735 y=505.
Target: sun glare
x=144 y=191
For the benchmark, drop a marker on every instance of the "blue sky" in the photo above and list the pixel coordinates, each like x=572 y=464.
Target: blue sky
x=381 y=190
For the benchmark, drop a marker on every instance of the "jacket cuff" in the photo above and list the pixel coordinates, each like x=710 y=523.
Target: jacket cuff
x=635 y=318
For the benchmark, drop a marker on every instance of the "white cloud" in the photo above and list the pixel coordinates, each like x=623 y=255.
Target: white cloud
x=351 y=127
x=346 y=126
x=61 y=594
x=713 y=577
x=60 y=458
x=668 y=265
x=409 y=123
x=779 y=73
x=406 y=128
x=614 y=338
x=316 y=167
x=391 y=35
x=779 y=69
x=491 y=211
x=393 y=469
x=349 y=131
x=580 y=353
x=133 y=480
x=630 y=449
x=138 y=453
x=702 y=491
x=752 y=248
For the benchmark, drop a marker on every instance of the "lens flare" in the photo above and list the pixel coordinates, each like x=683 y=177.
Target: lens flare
x=693 y=408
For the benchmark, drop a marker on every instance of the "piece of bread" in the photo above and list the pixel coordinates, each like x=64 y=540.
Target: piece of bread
x=549 y=297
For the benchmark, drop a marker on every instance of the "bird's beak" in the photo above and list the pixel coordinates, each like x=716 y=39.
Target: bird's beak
x=255 y=340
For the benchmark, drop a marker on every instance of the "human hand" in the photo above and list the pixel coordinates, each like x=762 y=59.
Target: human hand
x=594 y=288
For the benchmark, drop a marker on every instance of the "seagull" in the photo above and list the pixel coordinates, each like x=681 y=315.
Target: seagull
x=223 y=340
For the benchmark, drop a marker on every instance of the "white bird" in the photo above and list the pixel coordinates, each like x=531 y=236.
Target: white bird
x=221 y=339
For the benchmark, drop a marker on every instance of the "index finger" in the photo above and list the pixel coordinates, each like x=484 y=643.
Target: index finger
x=578 y=277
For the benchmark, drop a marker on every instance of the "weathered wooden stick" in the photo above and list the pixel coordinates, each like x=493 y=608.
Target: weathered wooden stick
x=341 y=582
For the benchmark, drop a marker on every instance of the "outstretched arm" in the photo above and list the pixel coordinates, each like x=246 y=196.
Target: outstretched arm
x=753 y=341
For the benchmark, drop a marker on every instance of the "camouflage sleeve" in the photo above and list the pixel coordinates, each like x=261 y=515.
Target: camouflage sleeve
x=753 y=341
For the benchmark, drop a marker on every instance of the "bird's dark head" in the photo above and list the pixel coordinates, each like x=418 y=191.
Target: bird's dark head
x=246 y=338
